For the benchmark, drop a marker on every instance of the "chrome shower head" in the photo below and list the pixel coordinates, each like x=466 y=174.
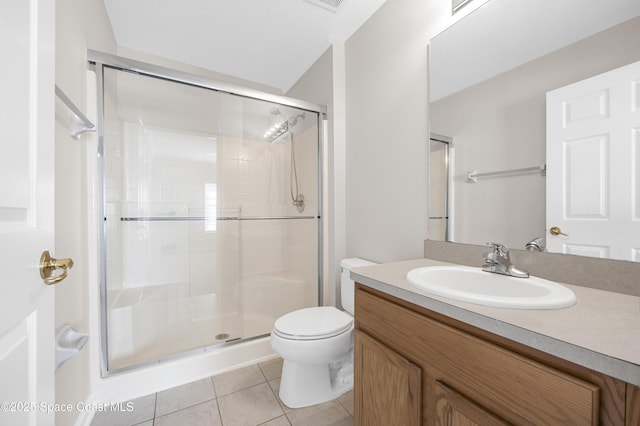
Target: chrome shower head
x=294 y=120
x=279 y=129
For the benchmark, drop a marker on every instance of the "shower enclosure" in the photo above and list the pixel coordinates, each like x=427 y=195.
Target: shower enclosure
x=210 y=211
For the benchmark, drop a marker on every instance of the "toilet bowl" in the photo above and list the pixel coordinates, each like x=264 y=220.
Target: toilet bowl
x=316 y=345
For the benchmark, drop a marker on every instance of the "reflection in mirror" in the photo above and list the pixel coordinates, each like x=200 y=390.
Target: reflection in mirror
x=440 y=152
x=456 y=5
x=493 y=105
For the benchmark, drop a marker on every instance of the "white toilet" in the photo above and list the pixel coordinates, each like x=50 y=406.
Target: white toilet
x=317 y=347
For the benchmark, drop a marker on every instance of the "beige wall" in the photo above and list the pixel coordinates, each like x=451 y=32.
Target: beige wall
x=79 y=25
x=387 y=134
x=320 y=84
x=375 y=88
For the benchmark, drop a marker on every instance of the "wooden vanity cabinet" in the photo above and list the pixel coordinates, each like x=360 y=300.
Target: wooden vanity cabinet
x=414 y=366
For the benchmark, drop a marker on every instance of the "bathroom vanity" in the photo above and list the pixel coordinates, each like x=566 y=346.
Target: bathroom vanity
x=423 y=359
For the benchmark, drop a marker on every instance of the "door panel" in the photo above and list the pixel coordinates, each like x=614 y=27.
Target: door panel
x=586 y=170
x=593 y=192
x=26 y=209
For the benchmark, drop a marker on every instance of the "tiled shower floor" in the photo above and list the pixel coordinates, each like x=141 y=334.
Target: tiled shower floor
x=244 y=397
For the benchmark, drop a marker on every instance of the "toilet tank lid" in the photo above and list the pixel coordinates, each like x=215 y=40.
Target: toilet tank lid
x=354 y=262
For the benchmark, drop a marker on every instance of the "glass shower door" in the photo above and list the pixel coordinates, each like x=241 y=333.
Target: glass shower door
x=202 y=242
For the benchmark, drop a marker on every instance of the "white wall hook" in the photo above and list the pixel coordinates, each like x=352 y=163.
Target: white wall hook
x=69 y=342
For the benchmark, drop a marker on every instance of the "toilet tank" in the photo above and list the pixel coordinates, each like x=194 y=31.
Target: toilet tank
x=347 y=286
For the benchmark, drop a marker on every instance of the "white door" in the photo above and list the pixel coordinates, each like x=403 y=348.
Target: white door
x=593 y=159
x=26 y=210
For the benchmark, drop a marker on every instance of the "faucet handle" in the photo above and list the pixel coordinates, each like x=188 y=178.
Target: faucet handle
x=489 y=257
x=499 y=249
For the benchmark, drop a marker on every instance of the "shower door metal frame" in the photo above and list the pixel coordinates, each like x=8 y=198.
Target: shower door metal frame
x=448 y=148
x=99 y=61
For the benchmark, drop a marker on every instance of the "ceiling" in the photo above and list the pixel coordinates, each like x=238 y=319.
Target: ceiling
x=270 y=42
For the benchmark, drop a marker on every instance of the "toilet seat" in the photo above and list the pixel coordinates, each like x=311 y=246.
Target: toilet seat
x=315 y=323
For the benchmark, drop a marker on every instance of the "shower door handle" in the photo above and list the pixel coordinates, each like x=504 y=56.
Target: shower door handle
x=48 y=265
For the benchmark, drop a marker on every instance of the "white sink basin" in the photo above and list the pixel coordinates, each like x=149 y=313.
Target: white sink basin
x=484 y=288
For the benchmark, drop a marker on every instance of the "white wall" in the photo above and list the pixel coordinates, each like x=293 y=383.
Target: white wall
x=79 y=25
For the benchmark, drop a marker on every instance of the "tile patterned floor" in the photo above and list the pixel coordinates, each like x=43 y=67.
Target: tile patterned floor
x=244 y=397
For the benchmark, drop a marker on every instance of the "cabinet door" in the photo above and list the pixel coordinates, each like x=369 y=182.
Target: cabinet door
x=454 y=409
x=518 y=389
x=633 y=405
x=388 y=387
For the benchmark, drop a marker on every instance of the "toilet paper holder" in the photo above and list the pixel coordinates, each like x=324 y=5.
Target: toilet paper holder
x=69 y=342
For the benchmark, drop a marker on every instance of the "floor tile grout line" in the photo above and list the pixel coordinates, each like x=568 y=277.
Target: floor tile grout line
x=155 y=406
x=277 y=417
x=340 y=402
x=186 y=408
x=215 y=392
x=265 y=382
x=273 y=391
x=244 y=389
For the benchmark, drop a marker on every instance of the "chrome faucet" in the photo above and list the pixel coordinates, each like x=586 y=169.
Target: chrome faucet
x=537 y=244
x=499 y=262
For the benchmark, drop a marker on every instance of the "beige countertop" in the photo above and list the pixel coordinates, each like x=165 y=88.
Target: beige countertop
x=601 y=331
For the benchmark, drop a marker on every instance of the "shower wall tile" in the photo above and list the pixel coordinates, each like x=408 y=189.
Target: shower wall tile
x=167 y=165
x=155 y=253
x=204 y=307
x=203 y=267
x=187 y=306
x=263 y=301
x=263 y=247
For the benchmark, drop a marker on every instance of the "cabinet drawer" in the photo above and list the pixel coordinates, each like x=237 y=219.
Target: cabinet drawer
x=514 y=387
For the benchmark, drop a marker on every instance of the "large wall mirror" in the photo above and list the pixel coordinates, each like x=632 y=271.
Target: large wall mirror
x=489 y=76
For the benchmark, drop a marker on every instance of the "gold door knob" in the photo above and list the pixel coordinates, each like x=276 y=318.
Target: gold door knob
x=556 y=231
x=48 y=264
